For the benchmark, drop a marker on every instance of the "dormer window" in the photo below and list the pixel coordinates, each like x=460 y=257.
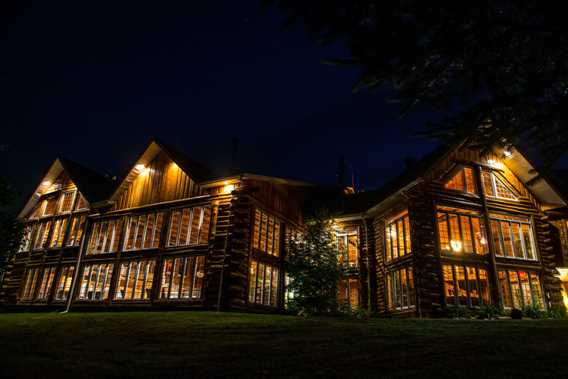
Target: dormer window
x=494 y=187
x=462 y=181
x=66 y=201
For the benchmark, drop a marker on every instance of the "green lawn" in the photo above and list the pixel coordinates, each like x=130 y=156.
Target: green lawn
x=172 y=344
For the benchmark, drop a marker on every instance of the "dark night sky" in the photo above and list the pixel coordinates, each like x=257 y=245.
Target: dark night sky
x=94 y=83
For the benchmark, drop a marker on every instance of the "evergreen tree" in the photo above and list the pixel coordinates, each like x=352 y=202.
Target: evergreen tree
x=10 y=228
x=313 y=268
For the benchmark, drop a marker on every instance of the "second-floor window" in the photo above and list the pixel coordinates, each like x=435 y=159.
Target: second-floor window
x=189 y=226
x=397 y=237
x=266 y=233
x=105 y=237
x=347 y=250
x=76 y=230
x=26 y=239
x=494 y=187
x=144 y=231
x=513 y=237
x=461 y=231
x=42 y=233
x=58 y=233
x=462 y=181
x=66 y=201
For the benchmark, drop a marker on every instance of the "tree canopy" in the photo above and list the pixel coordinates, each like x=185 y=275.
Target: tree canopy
x=501 y=66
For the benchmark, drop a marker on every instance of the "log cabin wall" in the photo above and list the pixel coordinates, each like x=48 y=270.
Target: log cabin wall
x=54 y=229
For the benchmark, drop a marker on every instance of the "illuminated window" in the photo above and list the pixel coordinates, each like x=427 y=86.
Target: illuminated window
x=494 y=186
x=135 y=281
x=462 y=181
x=182 y=278
x=64 y=282
x=263 y=284
x=26 y=239
x=46 y=283
x=348 y=293
x=29 y=284
x=189 y=226
x=513 y=237
x=520 y=289
x=397 y=238
x=76 y=230
x=49 y=206
x=66 y=201
x=266 y=233
x=465 y=285
x=347 y=249
x=95 y=284
x=461 y=231
x=42 y=234
x=105 y=236
x=58 y=233
x=81 y=203
x=143 y=231
x=400 y=289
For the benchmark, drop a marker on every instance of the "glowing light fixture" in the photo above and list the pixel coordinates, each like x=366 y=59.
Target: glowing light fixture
x=507 y=153
x=228 y=188
x=46 y=183
x=456 y=245
x=140 y=167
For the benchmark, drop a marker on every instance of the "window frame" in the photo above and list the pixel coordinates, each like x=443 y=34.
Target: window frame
x=465 y=267
x=156 y=234
x=257 y=288
x=404 y=219
x=500 y=251
x=461 y=169
x=200 y=228
x=138 y=262
x=517 y=272
x=343 y=256
x=494 y=179
x=197 y=262
x=461 y=213
x=409 y=288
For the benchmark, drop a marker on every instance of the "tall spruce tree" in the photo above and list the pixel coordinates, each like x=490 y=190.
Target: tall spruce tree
x=313 y=268
x=10 y=228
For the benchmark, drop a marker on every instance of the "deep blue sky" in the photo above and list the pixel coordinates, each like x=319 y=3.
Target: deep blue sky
x=93 y=83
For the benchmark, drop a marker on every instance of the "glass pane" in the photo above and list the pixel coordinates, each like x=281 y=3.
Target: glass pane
x=536 y=290
x=195 y=223
x=526 y=287
x=449 y=288
x=274 y=286
x=252 y=280
x=457 y=182
x=263 y=233
x=184 y=227
x=470 y=182
x=394 y=240
x=487 y=183
x=443 y=232
x=404 y=288
x=270 y=235
x=401 y=239
x=388 y=249
x=204 y=232
x=461 y=284
x=528 y=240
x=166 y=278
x=517 y=243
x=277 y=239
x=484 y=286
x=479 y=236
x=198 y=277
x=466 y=233
x=455 y=239
x=411 y=293
x=472 y=285
x=174 y=228
x=508 y=242
x=407 y=231
x=515 y=290
x=352 y=249
x=256 y=233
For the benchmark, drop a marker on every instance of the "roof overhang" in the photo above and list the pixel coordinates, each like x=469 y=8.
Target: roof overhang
x=43 y=188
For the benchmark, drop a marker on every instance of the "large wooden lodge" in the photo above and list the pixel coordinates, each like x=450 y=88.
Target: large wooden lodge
x=460 y=228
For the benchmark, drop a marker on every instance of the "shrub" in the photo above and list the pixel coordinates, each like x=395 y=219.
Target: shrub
x=533 y=311
x=557 y=312
x=516 y=314
x=488 y=312
x=458 y=312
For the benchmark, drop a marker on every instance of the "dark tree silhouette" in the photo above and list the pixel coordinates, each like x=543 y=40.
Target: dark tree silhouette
x=502 y=64
x=10 y=229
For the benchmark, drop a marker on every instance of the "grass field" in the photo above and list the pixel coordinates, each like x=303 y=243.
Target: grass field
x=197 y=344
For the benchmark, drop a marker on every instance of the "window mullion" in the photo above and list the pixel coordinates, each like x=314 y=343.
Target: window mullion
x=456 y=290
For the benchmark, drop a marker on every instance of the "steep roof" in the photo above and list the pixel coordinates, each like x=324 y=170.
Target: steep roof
x=91 y=184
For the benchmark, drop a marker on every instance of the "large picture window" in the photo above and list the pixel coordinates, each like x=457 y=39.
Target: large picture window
x=64 y=282
x=95 y=284
x=462 y=181
x=494 y=187
x=513 y=237
x=46 y=283
x=144 y=231
x=189 y=226
x=105 y=237
x=519 y=289
x=30 y=282
x=263 y=284
x=397 y=237
x=400 y=289
x=76 y=230
x=182 y=278
x=465 y=285
x=461 y=231
x=347 y=249
x=41 y=236
x=266 y=233
x=58 y=233
x=135 y=281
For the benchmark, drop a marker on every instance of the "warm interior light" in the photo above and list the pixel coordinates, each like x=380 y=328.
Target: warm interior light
x=565 y=298
x=456 y=245
x=483 y=241
x=228 y=188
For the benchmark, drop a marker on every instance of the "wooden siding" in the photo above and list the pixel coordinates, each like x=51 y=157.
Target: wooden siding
x=161 y=180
